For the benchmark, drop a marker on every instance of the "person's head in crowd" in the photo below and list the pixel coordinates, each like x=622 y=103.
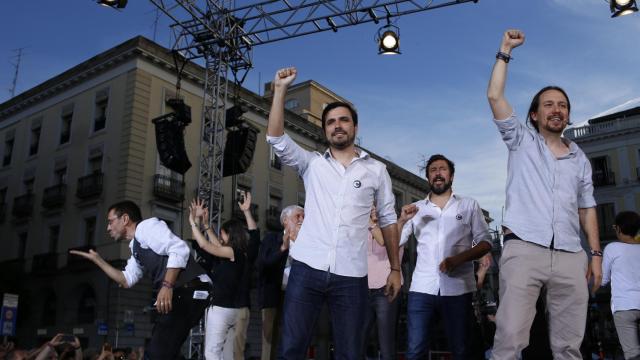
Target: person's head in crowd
x=627 y=226
x=122 y=219
x=234 y=234
x=292 y=215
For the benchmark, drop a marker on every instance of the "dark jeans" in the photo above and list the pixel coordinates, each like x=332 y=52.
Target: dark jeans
x=308 y=289
x=171 y=330
x=455 y=312
x=384 y=314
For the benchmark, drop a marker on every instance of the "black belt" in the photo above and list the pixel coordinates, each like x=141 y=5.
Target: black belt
x=513 y=236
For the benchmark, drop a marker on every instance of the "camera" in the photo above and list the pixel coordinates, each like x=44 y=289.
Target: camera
x=240 y=195
x=68 y=338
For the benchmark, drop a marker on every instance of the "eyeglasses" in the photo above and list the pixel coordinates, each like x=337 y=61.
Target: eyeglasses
x=111 y=220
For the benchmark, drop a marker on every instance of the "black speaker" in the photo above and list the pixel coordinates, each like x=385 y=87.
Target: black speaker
x=170 y=143
x=238 y=150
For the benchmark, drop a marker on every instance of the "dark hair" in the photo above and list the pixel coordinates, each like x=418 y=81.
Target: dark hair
x=238 y=237
x=628 y=222
x=535 y=103
x=127 y=207
x=337 y=104
x=436 y=157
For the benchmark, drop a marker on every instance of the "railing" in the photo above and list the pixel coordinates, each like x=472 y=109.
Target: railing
x=23 y=205
x=44 y=263
x=604 y=178
x=273 y=218
x=603 y=127
x=54 y=196
x=168 y=188
x=89 y=186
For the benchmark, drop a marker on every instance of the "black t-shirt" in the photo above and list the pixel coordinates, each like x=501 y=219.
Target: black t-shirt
x=226 y=279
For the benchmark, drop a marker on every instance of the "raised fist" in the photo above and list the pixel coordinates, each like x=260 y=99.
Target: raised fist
x=284 y=77
x=511 y=39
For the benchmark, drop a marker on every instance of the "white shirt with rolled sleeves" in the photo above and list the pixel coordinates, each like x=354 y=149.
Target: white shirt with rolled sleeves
x=441 y=233
x=338 y=202
x=154 y=234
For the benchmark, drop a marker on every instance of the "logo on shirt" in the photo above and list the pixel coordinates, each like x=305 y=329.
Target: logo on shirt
x=458 y=217
x=357 y=184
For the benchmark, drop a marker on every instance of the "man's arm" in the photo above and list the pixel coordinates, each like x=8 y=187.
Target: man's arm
x=282 y=80
x=495 y=93
x=449 y=264
x=165 y=295
x=394 y=280
x=589 y=223
x=115 y=274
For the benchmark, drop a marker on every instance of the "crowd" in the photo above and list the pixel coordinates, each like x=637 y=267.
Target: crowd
x=343 y=251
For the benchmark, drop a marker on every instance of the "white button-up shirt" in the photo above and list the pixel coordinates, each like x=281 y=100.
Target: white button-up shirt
x=621 y=267
x=338 y=202
x=441 y=233
x=154 y=234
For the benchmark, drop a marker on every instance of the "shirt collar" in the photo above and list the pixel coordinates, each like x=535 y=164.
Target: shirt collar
x=360 y=154
x=454 y=196
x=573 y=147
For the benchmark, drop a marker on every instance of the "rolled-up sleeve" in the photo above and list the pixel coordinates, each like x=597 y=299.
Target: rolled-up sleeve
x=157 y=236
x=290 y=153
x=585 y=191
x=511 y=131
x=132 y=272
x=385 y=201
x=479 y=227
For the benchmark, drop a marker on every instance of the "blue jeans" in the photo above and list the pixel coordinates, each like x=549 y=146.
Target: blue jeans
x=455 y=312
x=308 y=289
x=384 y=314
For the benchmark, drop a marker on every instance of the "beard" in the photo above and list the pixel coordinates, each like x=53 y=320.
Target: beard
x=343 y=143
x=441 y=188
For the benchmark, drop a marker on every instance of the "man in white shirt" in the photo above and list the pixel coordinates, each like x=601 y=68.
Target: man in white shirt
x=330 y=256
x=159 y=254
x=451 y=232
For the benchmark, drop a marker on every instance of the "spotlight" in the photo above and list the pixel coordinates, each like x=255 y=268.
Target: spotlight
x=119 y=4
x=388 y=40
x=622 y=7
x=233 y=114
x=331 y=23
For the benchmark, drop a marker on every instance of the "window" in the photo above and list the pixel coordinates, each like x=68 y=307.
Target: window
x=275 y=203
x=28 y=185
x=35 y=139
x=22 y=244
x=100 y=112
x=601 y=173
x=8 y=151
x=399 y=200
x=3 y=195
x=87 y=305
x=95 y=164
x=606 y=219
x=89 y=230
x=60 y=176
x=65 y=125
x=291 y=104
x=274 y=160
x=54 y=237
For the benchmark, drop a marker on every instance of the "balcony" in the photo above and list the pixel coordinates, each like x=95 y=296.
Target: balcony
x=77 y=262
x=54 y=196
x=238 y=215
x=168 y=188
x=23 y=205
x=273 y=218
x=44 y=264
x=89 y=186
x=602 y=178
x=622 y=124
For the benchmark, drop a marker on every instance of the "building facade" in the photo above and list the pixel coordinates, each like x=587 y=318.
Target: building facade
x=83 y=140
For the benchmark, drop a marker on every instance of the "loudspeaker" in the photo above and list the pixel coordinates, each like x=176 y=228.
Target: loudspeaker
x=170 y=143
x=238 y=150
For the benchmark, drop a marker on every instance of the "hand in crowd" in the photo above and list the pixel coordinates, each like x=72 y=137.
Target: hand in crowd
x=449 y=264
x=245 y=204
x=90 y=255
x=594 y=273
x=284 y=77
x=107 y=352
x=511 y=40
x=163 y=301
x=408 y=212
x=197 y=211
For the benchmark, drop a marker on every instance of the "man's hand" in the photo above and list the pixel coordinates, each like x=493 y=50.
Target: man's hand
x=594 y=273
x=163 y=302
x=394 y=283
x=284 y=77
x=408 y=212
x=449 y=264
x=91 y=255
x=511 y=40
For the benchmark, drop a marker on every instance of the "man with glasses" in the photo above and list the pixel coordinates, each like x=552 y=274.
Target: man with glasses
x=181 y=286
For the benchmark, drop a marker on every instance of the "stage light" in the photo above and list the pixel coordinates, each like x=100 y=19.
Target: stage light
x=233 y=115
x=622 y=7
x=373 y=16
x=331 y=23
x=119 y=4
x=388 y=40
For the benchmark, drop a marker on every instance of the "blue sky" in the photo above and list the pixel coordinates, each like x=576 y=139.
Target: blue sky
x=431 y=99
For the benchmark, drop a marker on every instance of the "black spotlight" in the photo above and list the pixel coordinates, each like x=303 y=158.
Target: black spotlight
x=622 y=7
x=388 y=40
x=238 y=150
x=119 y=4
x=233 y=115
x=170 y=136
